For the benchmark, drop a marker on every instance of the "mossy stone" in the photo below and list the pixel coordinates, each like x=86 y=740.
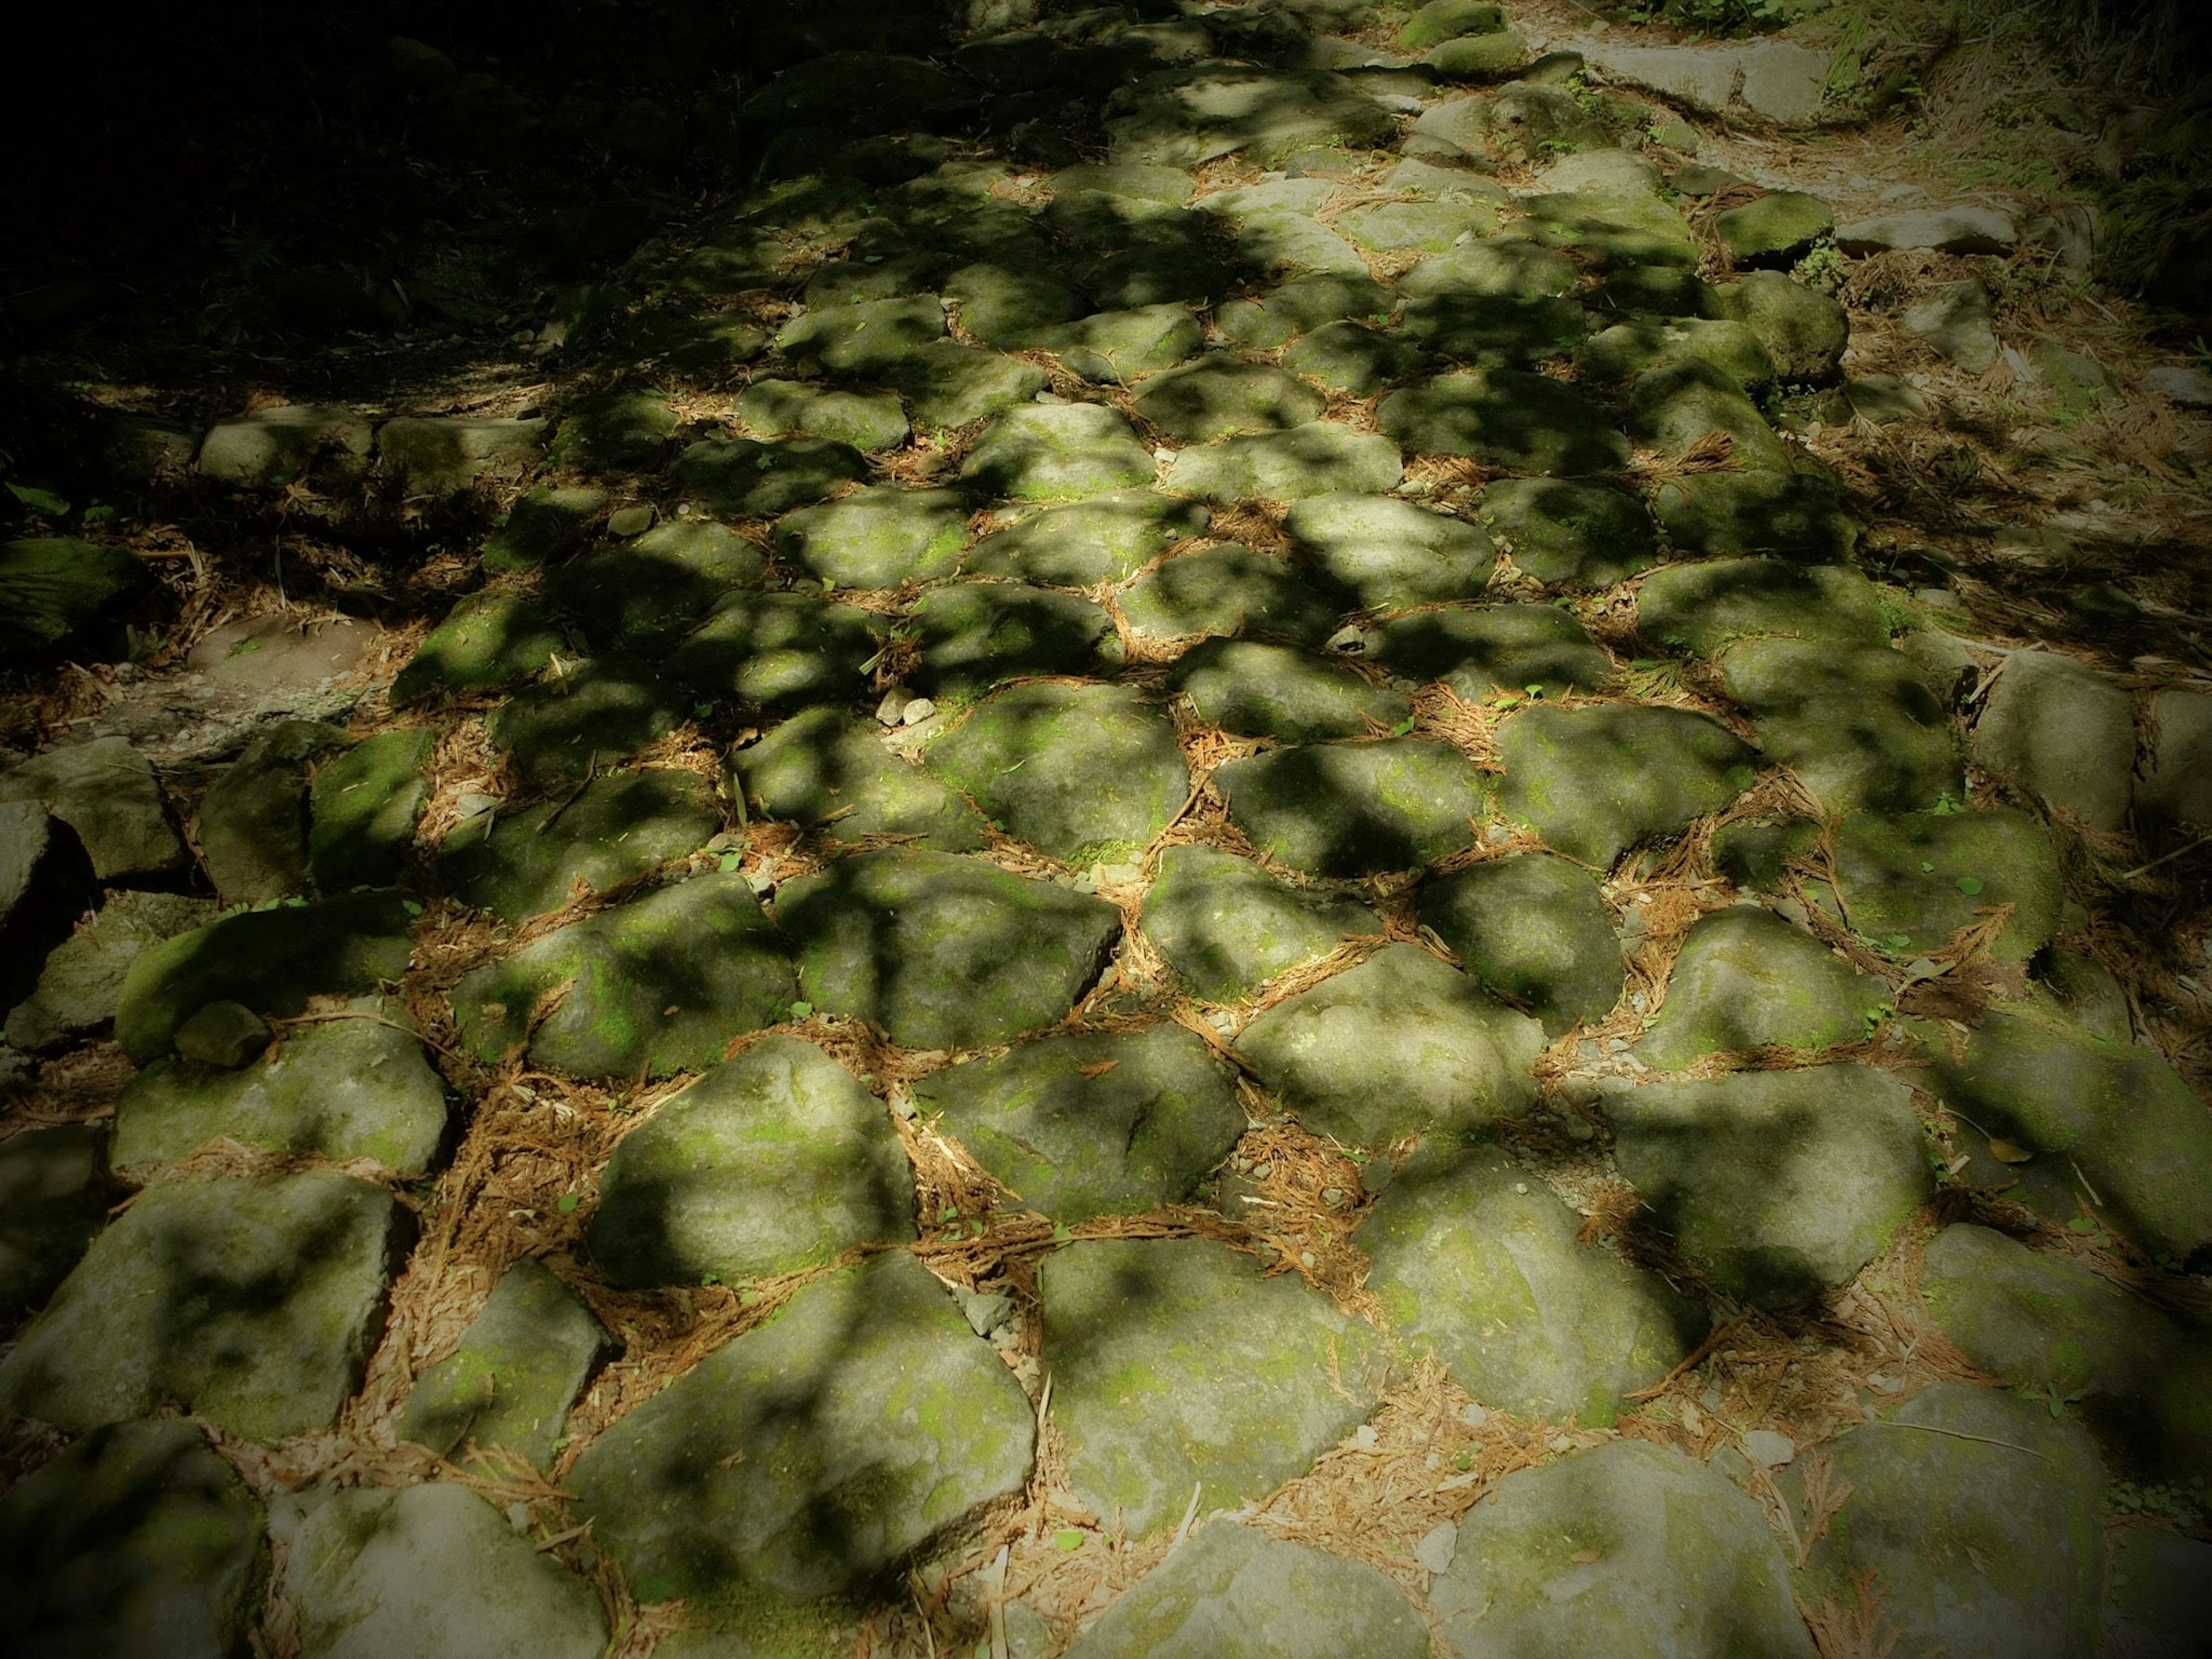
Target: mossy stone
x=1745 y=979
x=1526 y=423
x=865 y=337
x=1221 y=396
x=492 y=639
x=644 y=592
x=1774 y=229
x=1704 y=606
x=1301 y=305
x=107 y=794
x=1856 y=724
x=831 y=771
x=53 y=588
x=1487 y=331
x=775 y=1161
x=253 y=821
x=1673 y=410
x=1390 y=554
x=778 y=651
x=54 y=1195
x=1069 y=769
x=600 y=711
x=1008 y=306
x=1107 y=539
x=1429 y=227
x=948 y=385
x=1569 y=534
x=1480 y=650
x=363 y=807
x=944 y=952
x=1803 y=329
x=973 y=635
x=1092 y=1123
x=1352 y=358
x=1318 y=458
x=1654 y=291
x=802 y=1458
x=1482 y=1266
x=1058 y=451
x=658 y=985
x=1913 y=879
x=1275 y=245
x=1253 y=689
x=1754 y=854
x=1449 y=20
x=1628 y=349
x=1725 y=514
x=1478 y=59
x=867 y=421
x=1533 y=928
x=615 y=432
x=1594 y=781
x=1229 y=589
x=1183 y=1361
x=884 y=536
x=1186 y=116
x=611 y=830
x=1227 y=926
x=1114 y=348
x=740 y=478
x=1506 y=269
x=546 y=524
x=1355 y=809
x=1612 y=228
x=1402 y=1044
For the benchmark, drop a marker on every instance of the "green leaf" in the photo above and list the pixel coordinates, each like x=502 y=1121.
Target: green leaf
x=2081 y=1223
x=1926 y=868
x=1063 y=1232
x=39 y=501
x=802 y=1009
x=1970 y=884
x=1402 y=727
x=1067 y=1540
x=98 y=513
x=729 y=861
x=949 y=1213
x=1899 y=941
x=567 y=1203
x=411 y=906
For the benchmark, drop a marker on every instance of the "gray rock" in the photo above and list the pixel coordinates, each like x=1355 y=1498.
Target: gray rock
x=1252 y=689
x=1390 y=553
x=1479 y=1264
x=1220 y=396
x=866 y=420
x=1804 y=331
x=1058 y=453
x=138 y=1539
x=865 y=338
x=1779 y=1183
x=104 y=791
x=362 y=806
x=1569 y=534
x=1184 y=117
x=2133 y=1128
x=738 y=479
x=1402 y=1044
x=2177 y=781
x=489 y=639
x=341 y=1090
x=884 y=536
x=546 y=524
x=1856 y=724
x=1980 y=1513
x=1078 y=771
x=82 y=980
x=1280 y=244
x=1228 y=588
x=1352 y=358
x=1947 y=230
x=1535 y=929
x=1524 y=422
x=940 y=951
x=1227 y=926
x=519 y=1367
x=1673 y=410
x=778 y=650
x=1181 y=1361
x=948 y=385
x=1703 y=77
x=2061 y=730
x=1625 y=1548
x=973 y=635
x=1704 y=606
x=253 y=1304
x=1724 y=514
x=612 y=830
x=54 y=589
x=272 y=447
x=1784 y=82
x=1108 y=538
x=616 y=432
x=1956 y=319
x=1322 y=458
x=657 y=985
x=406 y=1573
x=1480 y=650
x=651 y=589
x=1093 y=1123
x=1594 y=781
x=1775 y=228
x=1746 y=979
x=2177 y=383
x=226 y=1035
x=53 y=1201
x=827 y=769
x=809 y=1454
x=772 y=1162
x=421 y=458
x=1884 y=400
x=253 y=825
x=1355 y=809
x=2152 y=1606
x=272 y=961
x=1232 y=1592
x=1912 y=879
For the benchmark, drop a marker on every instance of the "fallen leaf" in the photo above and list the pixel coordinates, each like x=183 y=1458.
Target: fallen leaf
x=1101 y=1068
x=1585 y=1557
x=2006 y=1152
x=1068 y=1539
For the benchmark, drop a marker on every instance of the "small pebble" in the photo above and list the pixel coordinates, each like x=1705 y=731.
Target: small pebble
x=1769 y=1450
x=1473 y=1415
x=1305 y=1258
x=626 y=522
x=1438 y=1546
x=918 y=711
x=1364 y=1438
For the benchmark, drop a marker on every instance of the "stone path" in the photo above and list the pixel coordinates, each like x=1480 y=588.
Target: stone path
x=1181 y=882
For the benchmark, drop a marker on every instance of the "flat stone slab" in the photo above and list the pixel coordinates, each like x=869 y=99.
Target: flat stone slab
x=1912 y=879
x=1253 y=689
x=868 y=421
x=1094 y=1123
x=1595 y=781
x=1184 y=117
x=2130 y=1126
x=82 y=981
x=1624 y=1549
x=1724 y=514
x=741 y=478
x=519 y=1367
x=436 y=458
x=1352 y=358
x=1948 y=230
x=1227 y=926
x=1490 y=331
x=656 y=985
x=362 y=806
x=1523 y=423
x=2061 y=732
x=973 y=635
x=1533 y=928
x=1058 y=451
x=1857 y=724
x=1234 y=1592
x=1401 y=1044
x=1179 y=1362
x=1390 y=554
x=943 y=952
x=778 y=650
x=1980 y=1512
x=1477 y=1261
x=270 y=448
x=832 y=771
x=410 y=1573
x=53 y=1201
x=1481 y=650
x=359 y=1087
x=1074 y=770
x=252 y=1303
x=865 y=337
x=490 y=639
x=1356 y=808
x=139 y=1538
x=1779 y=1184
x=805 y=1455
x=595 y=715
x=272 y=961
x=1570 y=534
x=1509 y=269
x=1108 y=538
x=1321 y=457
x=775 y=1161
x=612 y=830
x=884 y=536
x=1745 y=980
x=1228 y=588
x=1222 y=396
x=104 y=791
x=1703 y=607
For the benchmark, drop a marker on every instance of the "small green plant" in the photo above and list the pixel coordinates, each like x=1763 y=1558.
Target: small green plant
x=1824 y=267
